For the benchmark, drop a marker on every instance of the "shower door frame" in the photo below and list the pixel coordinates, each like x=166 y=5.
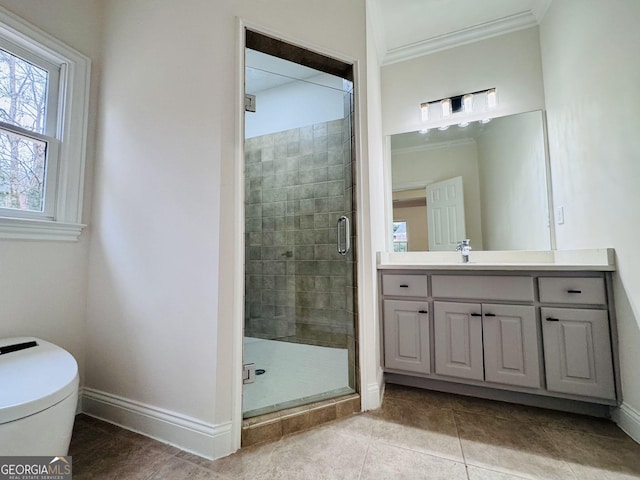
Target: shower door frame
x=235 y=425
x=300 y=282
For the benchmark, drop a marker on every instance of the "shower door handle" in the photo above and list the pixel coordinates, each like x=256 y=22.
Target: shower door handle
x=343 y=247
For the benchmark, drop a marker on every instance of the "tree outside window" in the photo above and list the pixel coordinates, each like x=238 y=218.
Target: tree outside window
x=23 y=103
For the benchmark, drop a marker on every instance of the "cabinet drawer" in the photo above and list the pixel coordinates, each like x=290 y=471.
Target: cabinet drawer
x=405 y=285
x=572 y=290
x=483 y=287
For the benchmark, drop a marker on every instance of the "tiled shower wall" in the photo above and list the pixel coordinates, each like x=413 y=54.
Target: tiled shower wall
x=297 y=287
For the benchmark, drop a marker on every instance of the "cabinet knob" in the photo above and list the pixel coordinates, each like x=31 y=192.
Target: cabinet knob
x=574 y=291
x=551 y=319
x=476 y=314
x=489 y=314
x=422 y=311
x=404 y=286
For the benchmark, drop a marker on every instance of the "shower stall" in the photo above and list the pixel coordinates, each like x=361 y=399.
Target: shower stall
x=300 y=281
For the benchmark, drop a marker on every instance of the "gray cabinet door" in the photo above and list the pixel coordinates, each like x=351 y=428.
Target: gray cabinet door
x=510 y=338
x=458 y=339
x=577 y=352
x=406 y=336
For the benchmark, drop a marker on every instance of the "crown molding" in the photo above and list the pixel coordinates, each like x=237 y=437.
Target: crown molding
x=465 y=36
x=540 y=9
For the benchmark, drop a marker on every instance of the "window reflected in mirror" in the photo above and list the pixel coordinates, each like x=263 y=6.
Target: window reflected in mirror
x=400 y=238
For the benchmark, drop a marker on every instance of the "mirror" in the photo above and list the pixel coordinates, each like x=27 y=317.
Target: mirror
x=486 y=182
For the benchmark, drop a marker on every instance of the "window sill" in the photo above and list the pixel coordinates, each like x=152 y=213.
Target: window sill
x=28 y=229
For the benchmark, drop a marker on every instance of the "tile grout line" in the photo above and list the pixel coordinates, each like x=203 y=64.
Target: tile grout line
x=560 y=457
x=421 y=452
x=364 y=460
x=559 y=451
x=464 y=458
x=501 y=472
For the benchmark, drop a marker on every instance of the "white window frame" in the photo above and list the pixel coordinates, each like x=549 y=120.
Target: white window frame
x=64 y=220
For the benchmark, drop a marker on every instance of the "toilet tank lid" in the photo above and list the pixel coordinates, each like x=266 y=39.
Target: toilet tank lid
x=35 y=378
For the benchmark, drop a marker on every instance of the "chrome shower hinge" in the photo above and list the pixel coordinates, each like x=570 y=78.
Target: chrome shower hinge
x=248 y=373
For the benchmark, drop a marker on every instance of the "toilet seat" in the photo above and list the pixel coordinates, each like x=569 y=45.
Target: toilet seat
x=34 y=379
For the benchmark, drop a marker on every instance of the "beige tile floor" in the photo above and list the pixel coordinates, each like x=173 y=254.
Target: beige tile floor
x=415 y=435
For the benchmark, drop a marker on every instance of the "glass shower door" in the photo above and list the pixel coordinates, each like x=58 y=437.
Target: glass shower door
x=299 y=237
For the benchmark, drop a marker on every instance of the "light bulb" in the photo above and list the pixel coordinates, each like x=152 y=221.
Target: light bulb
x=424 y=112
x=424 y=131
x=443 y=128
x=467 y=102
x=446 y=107
x=492 y=99
x=463 y=124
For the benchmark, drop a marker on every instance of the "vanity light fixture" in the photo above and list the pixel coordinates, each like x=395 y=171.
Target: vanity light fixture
x=459 y=105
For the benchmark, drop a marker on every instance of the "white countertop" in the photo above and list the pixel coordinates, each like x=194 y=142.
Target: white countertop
x=600 y=259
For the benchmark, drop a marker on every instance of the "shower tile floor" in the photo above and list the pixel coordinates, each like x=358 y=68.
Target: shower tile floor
x=295 y=373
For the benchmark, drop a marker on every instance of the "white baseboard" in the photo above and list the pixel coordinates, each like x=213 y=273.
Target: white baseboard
x=79 y=404
x=373 y=392
x=628 y=419
x=187 y=433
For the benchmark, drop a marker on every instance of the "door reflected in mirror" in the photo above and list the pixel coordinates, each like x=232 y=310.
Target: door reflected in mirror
x=486 y=182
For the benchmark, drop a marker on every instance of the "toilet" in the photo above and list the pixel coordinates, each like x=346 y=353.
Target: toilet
x=38 y=397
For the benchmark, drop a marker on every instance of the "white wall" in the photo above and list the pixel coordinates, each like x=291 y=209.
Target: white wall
x=411 y=168
x=43 y=284
x=591 y=75
x=513 y=180
x=152 y=302
x=166 y=254
x=296 y=104
x=511 y=63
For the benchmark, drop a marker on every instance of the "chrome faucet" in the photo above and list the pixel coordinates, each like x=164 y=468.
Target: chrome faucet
x=464 y=247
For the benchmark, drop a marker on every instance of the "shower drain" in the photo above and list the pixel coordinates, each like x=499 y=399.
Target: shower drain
x=260 y=371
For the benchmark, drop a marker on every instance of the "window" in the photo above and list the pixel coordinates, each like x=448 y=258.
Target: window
x=28 y=145
x=43 y=121
x=400 y=242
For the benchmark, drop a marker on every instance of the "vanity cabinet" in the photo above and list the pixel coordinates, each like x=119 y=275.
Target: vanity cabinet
x=511 y=345
x=577 y=341
x=404 y=285
x=458 y=340
x=543 y=333
x=486 y=341
x=491 y=342
x=573 y=290
x=406 y=335
x=577 y=352
x=406 y=323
